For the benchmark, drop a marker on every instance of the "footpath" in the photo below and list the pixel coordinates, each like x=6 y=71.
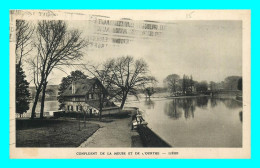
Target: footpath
x=117 y=133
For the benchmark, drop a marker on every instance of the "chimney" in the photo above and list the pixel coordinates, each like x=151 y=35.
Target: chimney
x=73 y=87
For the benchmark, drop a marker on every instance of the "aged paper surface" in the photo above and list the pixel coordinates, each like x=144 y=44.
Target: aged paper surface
x=162 y=17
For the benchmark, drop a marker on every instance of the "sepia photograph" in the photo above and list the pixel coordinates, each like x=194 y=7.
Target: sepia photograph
x=130 y=84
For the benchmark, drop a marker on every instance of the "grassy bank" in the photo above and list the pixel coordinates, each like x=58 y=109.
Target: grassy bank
x=52 y=133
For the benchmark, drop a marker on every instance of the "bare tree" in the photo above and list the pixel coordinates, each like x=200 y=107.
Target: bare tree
x=149 y=91
x=56 y=46
x=103 y=72
x=120 y=77
x=129 y=76
x=24 y=32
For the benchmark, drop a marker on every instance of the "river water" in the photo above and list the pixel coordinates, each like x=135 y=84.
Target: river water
x=48 y=106
x=194 y=122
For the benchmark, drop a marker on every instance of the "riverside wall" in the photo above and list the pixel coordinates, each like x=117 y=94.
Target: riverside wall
x=150 y=138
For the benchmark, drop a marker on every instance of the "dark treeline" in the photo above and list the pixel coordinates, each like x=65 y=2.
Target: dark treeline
x=187 y=86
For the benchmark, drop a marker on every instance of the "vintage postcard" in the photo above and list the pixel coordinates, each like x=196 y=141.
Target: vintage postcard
x=130 y=84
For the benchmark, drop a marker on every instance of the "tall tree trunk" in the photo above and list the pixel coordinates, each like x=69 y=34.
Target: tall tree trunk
x=174 y=88
x=20 y=62
x=100 y=113
x=43 y=99
x=175 y=109
x=101 y=102
x=123 y=100
x=38 y=91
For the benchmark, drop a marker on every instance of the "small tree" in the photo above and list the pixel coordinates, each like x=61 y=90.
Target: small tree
x=22 y=91
x=66 y=82
x=149 y=91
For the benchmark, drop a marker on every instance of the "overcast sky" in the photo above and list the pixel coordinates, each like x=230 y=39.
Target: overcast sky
x=207 y=50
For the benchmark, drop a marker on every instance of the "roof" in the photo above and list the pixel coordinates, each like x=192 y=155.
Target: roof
x=82 y=86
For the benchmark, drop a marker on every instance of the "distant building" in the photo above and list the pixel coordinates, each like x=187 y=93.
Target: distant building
x=84 y=95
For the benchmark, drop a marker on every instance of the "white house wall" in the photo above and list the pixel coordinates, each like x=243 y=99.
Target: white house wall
x=84 y=106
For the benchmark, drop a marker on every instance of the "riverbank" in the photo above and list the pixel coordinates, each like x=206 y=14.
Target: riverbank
x=164 y=95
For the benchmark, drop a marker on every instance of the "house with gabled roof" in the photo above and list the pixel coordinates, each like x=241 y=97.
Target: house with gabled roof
x=84 y=95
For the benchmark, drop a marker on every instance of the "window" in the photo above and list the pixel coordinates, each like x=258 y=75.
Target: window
x=87 y=96
x=92 y=96
x=71 y=108
x=79 y=108
x=68 y=108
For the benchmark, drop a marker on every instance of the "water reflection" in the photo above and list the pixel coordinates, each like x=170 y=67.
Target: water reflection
x=177 y=107
x=231 y=104
x=213 y=103
x=202 y=102
x=186 y=107
x=149 y=103
x=172 y=109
